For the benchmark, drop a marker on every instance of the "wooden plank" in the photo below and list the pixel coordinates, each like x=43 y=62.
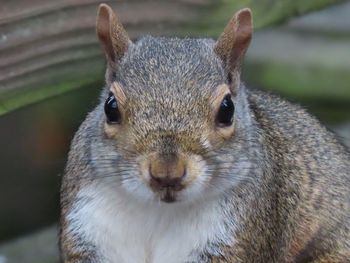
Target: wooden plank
x=50 y=47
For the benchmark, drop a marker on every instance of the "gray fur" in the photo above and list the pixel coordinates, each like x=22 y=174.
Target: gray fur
x=299 y=174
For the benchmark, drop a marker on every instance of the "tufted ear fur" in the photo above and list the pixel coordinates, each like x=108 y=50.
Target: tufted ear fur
x=113 y=38
x=234 y=41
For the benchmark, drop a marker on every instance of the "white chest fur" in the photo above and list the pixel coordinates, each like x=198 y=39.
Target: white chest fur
x=128 y=232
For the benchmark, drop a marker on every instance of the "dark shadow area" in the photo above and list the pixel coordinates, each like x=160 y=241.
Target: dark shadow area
x=34 y=145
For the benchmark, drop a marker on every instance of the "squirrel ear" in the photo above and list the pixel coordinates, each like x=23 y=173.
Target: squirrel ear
x=234 y=41
x=112 y=36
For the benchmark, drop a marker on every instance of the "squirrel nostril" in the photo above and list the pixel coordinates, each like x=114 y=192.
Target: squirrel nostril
x=183 y=173
x=167 y=172
x=167 y=180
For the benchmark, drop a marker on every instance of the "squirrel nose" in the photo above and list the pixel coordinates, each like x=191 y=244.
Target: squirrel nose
x=167 y=173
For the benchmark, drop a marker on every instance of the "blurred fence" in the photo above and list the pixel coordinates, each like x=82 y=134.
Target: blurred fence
x=50 y=47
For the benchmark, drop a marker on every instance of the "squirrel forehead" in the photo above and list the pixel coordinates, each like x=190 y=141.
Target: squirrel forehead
x=168 y=112
x=168 y=83
x=170 y=65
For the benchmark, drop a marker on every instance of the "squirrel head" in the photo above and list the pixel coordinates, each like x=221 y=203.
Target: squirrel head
x=170 y=107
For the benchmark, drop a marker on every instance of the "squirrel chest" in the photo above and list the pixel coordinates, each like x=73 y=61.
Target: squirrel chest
x=147 y=234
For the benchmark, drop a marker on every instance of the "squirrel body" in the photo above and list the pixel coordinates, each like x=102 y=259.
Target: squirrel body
x=183 y=163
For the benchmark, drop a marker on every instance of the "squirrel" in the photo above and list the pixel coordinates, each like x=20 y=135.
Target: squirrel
x=181 y=162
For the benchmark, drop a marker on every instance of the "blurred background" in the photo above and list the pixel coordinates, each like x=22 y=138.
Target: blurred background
x=52 y=70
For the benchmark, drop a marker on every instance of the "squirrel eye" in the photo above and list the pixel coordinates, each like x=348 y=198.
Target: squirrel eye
x=111 y=110
x=224 y=117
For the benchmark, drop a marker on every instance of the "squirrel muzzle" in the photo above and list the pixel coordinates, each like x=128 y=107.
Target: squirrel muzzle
x=167 y=172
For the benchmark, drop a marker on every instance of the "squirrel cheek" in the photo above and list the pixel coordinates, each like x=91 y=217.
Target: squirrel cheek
x=119 y=131
x=218 y=136
x=112 y=131
x=227 y=132
x=144 y=169
x=196 y=167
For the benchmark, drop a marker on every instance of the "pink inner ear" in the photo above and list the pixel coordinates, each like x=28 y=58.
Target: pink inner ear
x=244 y=29
x=234 y=41
x=113 y=38
x=103 y=28
x=243 y=34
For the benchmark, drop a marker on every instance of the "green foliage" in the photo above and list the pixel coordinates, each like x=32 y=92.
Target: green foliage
x=265 y=13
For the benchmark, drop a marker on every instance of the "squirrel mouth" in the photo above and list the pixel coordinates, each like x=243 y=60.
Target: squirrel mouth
x=168 y=195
